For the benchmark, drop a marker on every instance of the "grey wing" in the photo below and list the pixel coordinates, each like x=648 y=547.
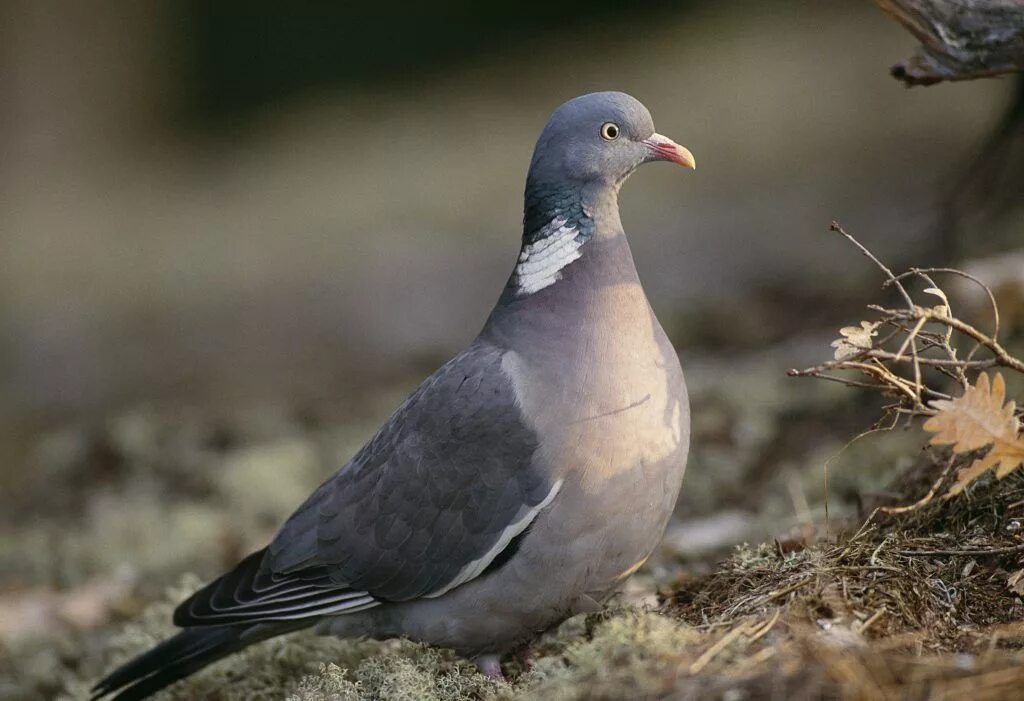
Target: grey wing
x=434 y=497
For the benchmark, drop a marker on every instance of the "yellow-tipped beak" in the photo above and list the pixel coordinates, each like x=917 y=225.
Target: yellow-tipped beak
x=665 y=149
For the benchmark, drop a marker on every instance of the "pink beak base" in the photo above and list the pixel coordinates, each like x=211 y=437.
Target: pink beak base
x=665 y=149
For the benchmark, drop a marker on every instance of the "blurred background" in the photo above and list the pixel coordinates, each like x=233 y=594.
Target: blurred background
x=234 y=235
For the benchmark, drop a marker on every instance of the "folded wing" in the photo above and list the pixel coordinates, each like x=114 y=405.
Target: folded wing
x=442 y=489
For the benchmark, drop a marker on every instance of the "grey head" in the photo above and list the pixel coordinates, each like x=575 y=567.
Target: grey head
x=590 y=145
x=601 y=138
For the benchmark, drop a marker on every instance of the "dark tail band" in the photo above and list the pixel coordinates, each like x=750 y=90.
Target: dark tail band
x=177 y=657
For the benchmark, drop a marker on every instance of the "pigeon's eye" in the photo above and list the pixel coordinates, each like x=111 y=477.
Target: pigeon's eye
x=609 y=131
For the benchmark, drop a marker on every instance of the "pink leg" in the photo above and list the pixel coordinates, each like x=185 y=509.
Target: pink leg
x=489 y=665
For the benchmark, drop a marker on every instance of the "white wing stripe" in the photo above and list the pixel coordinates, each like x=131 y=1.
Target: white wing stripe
x=293 y=602
x=362 y=604
x=474 y=568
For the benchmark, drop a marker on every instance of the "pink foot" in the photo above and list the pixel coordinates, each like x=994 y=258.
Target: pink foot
x=489 y=665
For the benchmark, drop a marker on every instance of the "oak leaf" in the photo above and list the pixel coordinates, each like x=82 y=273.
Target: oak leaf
x=977 y=419
x=854 y=339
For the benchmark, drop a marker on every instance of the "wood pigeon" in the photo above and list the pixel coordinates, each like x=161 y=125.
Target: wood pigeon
x=522 y=482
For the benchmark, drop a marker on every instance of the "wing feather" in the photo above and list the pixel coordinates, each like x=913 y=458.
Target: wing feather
x=428 y=503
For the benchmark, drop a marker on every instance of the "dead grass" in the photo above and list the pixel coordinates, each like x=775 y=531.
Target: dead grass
x=915 y=605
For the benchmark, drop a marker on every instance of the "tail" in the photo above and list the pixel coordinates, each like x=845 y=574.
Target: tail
x=179 y=656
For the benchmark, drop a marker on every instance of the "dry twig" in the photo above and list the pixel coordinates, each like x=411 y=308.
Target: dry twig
x=913 y=361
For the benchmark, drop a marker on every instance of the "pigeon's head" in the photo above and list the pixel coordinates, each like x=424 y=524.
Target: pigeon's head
x=601 y=138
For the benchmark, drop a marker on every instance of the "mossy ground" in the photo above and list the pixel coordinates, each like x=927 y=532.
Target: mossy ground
x=843 y=610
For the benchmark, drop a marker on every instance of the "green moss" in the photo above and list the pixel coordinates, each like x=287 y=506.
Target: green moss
x=300 y=667
x=625 y=655
x=407 y=672
x=608 y=655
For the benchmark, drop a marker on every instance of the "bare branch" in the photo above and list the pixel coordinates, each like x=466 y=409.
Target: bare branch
x=1002 y=356
x=919 y=339
x=871 y=256
x=966 y=276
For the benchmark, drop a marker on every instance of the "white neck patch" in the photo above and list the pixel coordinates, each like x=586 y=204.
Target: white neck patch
x=541 y=262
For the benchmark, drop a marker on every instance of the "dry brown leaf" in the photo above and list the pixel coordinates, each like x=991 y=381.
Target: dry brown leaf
x=976 y=420
x=943 y=308
x=854 y=339
x=1015 y=582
